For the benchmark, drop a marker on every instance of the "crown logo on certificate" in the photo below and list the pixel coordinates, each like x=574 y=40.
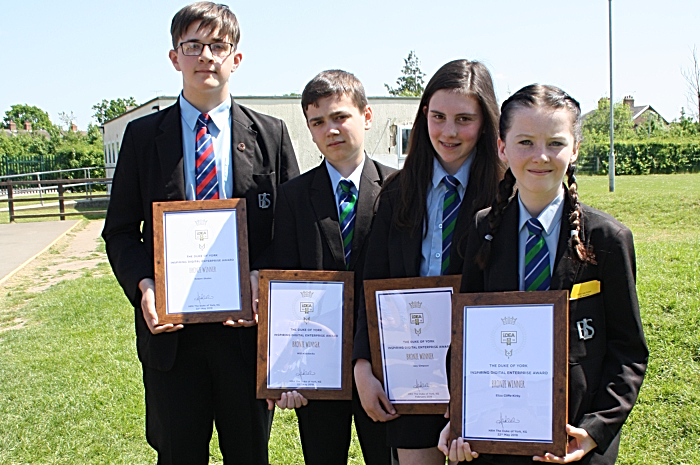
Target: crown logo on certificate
x=509 y=320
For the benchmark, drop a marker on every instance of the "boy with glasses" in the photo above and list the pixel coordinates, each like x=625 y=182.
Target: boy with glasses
x=197 y=375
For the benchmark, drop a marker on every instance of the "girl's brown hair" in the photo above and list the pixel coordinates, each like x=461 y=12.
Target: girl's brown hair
x=537 y=95
x=465 y=77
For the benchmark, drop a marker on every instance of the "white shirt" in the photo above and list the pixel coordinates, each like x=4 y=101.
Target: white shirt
x=336 y=177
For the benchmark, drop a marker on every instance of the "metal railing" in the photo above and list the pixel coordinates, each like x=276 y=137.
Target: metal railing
x=60 y=186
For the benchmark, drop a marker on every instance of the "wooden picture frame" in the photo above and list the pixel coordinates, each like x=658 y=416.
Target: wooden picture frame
x=371 y=287
x=313 y=278
x=560 y=349
x=202 y=261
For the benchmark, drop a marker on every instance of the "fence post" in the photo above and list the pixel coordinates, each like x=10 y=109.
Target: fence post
x=61 y=206
x=41 y=191
x=10 y=202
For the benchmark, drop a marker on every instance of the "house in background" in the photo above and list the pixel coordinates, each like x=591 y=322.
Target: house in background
x=386 y=141
x=640 y=114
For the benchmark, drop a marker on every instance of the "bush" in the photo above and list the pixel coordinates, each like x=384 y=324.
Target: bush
x=644 y=156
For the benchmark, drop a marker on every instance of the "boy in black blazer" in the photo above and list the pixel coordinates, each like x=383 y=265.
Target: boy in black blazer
x=308 y=236
x=197 y=374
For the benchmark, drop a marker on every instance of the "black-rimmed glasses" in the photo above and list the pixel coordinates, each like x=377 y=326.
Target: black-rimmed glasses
x=218 y=49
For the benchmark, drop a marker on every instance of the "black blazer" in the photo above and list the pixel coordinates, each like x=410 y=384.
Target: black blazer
x=396 y=253
x=607 y=370
x=150 y=169
x=307 y=230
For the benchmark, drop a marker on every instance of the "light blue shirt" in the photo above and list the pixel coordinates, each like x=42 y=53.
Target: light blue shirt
x=220 y=130
x=550 y=218
x=336 y=177
x=431 y=247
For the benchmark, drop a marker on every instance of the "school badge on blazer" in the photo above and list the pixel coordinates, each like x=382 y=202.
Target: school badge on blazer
x=264 y=200
x=585 y=330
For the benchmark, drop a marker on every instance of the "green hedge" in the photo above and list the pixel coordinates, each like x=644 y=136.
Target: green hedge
x=651 y=156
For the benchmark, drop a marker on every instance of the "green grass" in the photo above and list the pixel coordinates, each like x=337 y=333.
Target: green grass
x=70 y=382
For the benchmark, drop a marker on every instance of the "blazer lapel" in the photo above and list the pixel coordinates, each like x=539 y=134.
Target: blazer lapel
x=565 y=267
x=370 y=185
x=326 y=213
x=170 y=153
x=504 y=252
x=243 y=150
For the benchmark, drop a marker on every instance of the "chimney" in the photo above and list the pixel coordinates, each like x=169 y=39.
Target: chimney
x=628 y=100
x=27 y=126
x=12 y=126
x=603 y=101
x=73 y=127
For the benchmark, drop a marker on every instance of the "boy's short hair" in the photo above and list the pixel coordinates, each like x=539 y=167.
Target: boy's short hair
x=333 y=82
x=215 y=18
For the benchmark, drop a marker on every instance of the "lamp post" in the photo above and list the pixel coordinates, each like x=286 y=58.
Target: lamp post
x=611 y=159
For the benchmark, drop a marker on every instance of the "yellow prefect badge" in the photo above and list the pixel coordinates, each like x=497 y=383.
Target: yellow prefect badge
x=586 y=289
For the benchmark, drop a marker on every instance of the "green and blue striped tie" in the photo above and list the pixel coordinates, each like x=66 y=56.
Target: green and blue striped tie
x=537 y=272
x=450 y=208
x=347 y=217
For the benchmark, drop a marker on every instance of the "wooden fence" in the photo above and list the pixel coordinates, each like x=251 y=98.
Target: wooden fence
x=60 y=186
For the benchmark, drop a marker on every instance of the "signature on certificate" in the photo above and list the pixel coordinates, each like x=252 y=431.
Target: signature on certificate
x=201 y=297
x=420 y=384
x=505 y=420
x=303 y=373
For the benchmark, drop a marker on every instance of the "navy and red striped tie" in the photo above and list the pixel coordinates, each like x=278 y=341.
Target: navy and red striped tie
x=207 y=184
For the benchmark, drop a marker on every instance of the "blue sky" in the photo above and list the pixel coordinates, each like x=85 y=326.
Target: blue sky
x=67 y=56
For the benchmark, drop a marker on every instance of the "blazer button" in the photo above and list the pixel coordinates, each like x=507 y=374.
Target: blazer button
x=241 y=147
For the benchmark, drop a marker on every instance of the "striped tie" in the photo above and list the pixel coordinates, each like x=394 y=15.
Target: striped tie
x=537 y=273
x=205 y=162
x=450 y=207
x=347 y=217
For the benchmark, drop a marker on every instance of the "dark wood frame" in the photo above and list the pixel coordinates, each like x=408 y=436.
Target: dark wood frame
x=348 y=279
x=560 y=300
x=159 y=210
x=374 y=285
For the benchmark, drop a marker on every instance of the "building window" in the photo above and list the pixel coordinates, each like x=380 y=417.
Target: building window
x=402 y=137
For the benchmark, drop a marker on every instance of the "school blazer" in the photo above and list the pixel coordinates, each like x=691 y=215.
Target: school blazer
x=150 y=169
x=307 y=228
x=605 y=371
x=396 y=253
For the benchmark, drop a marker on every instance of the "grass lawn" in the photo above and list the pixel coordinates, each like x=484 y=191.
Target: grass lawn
x=71 y=392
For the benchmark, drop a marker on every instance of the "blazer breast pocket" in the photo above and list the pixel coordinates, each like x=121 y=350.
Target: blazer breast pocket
x=264 y=189
x=586 y=328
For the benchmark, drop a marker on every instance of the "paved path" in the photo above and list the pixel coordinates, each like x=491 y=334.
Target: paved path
x=22 y=242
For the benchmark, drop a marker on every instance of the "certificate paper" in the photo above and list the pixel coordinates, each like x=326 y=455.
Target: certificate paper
x=201 y=261
x=414 y=333
x=305 y=335
x=508 y=373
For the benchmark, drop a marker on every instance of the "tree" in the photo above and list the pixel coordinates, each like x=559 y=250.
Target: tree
x=23 y=113
x=596 y=126
x=107 y=110
x=67 y=119
x=411 y=83
x=692 y=77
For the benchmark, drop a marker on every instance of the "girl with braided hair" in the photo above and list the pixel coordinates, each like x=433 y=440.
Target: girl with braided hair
x=582 y=250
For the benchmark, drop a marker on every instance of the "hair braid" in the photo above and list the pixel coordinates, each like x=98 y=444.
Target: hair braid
x=581 y=251
x=495 y=216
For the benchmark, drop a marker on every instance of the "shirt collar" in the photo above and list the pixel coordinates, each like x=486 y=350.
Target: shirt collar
x=462 y=173
x=548 y=218
x=219 y=115
x=355 y=177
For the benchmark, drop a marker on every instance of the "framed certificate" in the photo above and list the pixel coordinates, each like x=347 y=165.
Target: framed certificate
x=509 y=371
x=409 y=323
x=201 y=261
x=305 y=334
